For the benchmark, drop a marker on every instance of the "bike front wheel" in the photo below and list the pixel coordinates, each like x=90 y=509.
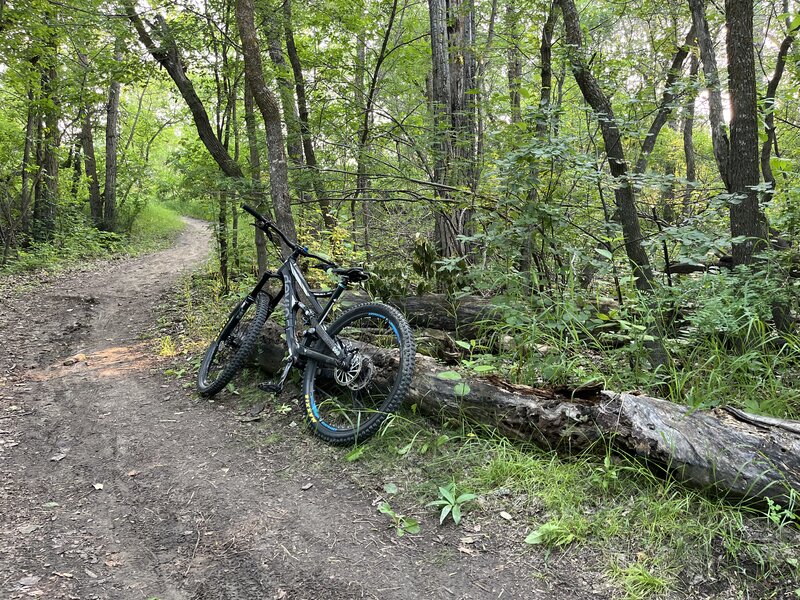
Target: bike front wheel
x=235 y=342
x=346 y=405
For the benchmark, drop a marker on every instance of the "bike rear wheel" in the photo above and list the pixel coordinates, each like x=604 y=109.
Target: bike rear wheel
x=346 y=406
x=228 y=352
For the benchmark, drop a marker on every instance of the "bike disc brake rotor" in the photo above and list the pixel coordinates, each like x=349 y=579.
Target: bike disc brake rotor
x=358 y=374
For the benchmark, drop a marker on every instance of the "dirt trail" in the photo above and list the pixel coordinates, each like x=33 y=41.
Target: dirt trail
x=189 y=506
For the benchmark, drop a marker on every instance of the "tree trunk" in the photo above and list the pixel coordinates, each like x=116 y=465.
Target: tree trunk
x=463 y=70
x=688 y=140
x=612 y=138
x=623 y=191
x=45 y=206
x=168 y=56
x=76 y=162
x=514 y=68
x=723 y=451
x=112 y=140
x=26 y=191
x=747 y=219
x=480 y=92
x=447 y=220
x=467 y=317
x=362 y=181
x=294 y=141
x=769 y=109
x=222 y=239
x=255 y=173
x=665 y=106
x=234 y=194
x=302 y=106
x=87 y=140
x=265 y=100
x=719 y=136
x=542 y=128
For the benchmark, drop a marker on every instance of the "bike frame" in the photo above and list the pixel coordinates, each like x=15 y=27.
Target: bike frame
x=292 y=279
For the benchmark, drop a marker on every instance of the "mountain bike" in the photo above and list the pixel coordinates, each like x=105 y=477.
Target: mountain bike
x=356 y=369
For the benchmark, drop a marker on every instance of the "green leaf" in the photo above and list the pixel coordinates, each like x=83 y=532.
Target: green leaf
x=411 y=526
x=437 y=503
x=447 y=493
x=445 y=511
x=483 y=368
x=463 y=344
x=390 y=488
x=604 y=253
x=385 y=508
x=461 y=389
x=534 y=537
x=449 y=375
x=355 y=453
x=406 y=449
x=465 y=498
x=456 y=514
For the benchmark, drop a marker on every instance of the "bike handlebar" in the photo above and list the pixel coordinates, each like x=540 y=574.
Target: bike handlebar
x=266 y=225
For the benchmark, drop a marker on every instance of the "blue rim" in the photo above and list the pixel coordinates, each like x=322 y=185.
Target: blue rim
x=312 y=403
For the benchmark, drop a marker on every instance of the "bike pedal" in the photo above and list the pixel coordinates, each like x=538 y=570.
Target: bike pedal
x=272 y=388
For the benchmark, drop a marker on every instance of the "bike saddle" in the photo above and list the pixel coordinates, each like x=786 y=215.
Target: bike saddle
x=354 y=274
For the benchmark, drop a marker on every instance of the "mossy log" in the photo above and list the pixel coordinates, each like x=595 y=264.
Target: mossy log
x=724 y=450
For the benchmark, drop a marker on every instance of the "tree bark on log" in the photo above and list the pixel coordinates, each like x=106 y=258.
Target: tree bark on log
x=466 y=316
x=723 y=451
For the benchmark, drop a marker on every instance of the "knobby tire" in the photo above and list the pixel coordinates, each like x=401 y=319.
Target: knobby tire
x=338 y=421
x=231 y=363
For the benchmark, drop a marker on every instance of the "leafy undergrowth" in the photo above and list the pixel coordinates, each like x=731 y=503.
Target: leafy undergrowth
x=153 y=228
x=642 y=534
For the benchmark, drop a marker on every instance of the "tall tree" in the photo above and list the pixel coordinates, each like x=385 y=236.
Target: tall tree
x=747 y=218
x=719 y=134
x=612 y=138
x=268 y=105
x=46 y=196
x=112 y=140
x=453 y=85
x=251 y=129
x=303 y=113
x=771 y=140
x=160 y=42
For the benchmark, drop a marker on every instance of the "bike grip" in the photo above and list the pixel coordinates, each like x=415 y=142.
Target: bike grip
x=253 y=212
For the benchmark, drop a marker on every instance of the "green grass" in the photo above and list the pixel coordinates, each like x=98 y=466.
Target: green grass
x=638 y=581
x=654 y=535
x=76 y=241
x=155 y=226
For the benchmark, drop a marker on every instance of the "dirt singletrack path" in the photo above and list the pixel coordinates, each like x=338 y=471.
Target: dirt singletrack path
x=117 y=483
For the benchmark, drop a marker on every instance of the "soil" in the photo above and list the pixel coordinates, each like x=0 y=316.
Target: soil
x=117 y=481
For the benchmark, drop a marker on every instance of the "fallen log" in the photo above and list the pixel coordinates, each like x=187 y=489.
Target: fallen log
x=724 y=450
x=468 y=317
